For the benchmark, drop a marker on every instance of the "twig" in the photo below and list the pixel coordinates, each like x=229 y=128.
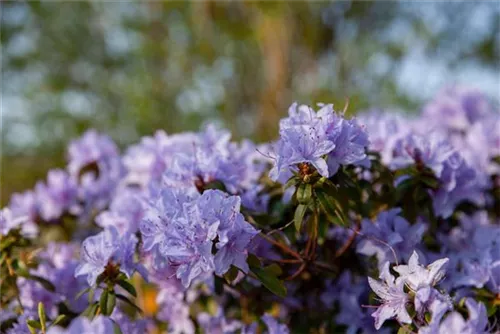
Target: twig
x=348 y=242
x=298 y=272
x=283 y=247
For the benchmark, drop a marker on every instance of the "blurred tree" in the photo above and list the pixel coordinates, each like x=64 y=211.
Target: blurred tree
x=131 y=68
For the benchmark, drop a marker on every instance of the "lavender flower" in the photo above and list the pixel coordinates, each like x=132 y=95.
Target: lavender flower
x=416 y=276
x=82 y=325
x=10 y=222
x=180 y=228
x=58 y=195
x=95 y=162
x=390 y=237
x=273 y=326
x=393 y=298
x=125 y=212
x=217 y=324
x=455 y=323
x=430 y=151
x=107 y=249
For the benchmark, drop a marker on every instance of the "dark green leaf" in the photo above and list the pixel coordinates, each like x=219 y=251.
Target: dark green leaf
x=299 y=216
x=253 y=261
x=129 y=302
x=274 y=269
x=290 y=183
x=231 y=274
x=46 y=284
x=304 y=193
x=270 y=281
x=34 y=324
x=127 y=286
x=107 y=302
x=331 y=207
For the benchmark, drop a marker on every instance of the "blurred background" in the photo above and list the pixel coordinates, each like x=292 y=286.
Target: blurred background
x=129 y=68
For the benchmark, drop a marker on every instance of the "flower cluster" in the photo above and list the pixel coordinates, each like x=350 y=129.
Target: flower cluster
x=324 y=230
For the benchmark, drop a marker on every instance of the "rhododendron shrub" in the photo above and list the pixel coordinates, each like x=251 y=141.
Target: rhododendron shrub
x=378 y=223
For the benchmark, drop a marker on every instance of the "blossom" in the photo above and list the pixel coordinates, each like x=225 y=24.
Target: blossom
x=125 y=212
x=392 y=296
x=58 y=195
x=180 y=227
x=217 y=324
x=416 y=276
x=351 y=142
x=10 y=222
x=95 y=162
x=82 y=325
x=455 y=323
x=384 y=130
x=389 y=237
x=430 y=151
x=273 y=326
x=107 y=249
x=457 y=108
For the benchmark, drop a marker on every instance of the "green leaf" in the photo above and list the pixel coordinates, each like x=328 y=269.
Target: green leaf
x=127 y=286
x=290 y=183
x=231 y=274
x=107 y=302
x=274 y=269
x=34 y=324
x=46 y=284
x=58 y=320
x=270 y=281
x=300 y=211
x=253 y=261
x=42 y=316
x=91 y=310
x=81 y=293
x=331 y=207
x=304 y=193
x=129 y=302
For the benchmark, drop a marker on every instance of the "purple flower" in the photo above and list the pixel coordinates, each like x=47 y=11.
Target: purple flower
x=107 y=248
x=416 y=276
x=82 y=325
x=58 y=195
x=455 y=323
x=180 y=227
x=428 y=299
x=273 y=326
x=128 y=325
x=125 y=212
x=457 y=108
x=234 y=250
x=217 y=324
x=430 y=151
x=392 y=296
x=173 y=308
x=390 y=237
x=303 y=139
x=95 y=162
x=384 y=130
x=351 y=142
x=10 y=222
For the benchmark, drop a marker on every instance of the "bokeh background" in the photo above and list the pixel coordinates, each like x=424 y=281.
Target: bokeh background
x=129 y=68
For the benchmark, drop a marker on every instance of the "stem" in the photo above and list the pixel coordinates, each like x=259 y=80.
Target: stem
x=348 y=242
x=283 y=247
x=298 y=272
